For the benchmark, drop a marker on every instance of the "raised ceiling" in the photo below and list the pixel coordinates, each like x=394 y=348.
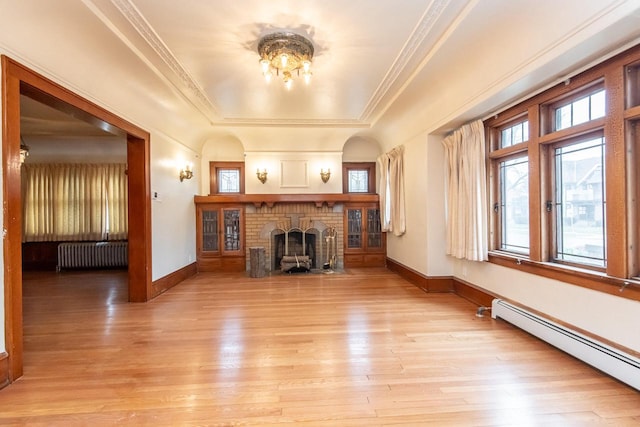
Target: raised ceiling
x=381 y=67
x=365 y=51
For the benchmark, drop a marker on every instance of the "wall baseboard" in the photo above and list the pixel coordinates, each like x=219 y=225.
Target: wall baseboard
x=472 y=293
x=426 y=283
x=461 y=288
x=170 y=280
x=4 y=370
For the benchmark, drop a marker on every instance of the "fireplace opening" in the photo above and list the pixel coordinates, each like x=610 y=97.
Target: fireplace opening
x=295 y=251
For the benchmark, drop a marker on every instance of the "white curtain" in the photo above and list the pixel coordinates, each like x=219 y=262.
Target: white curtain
x=465 y=169
x=63 y=202
x=392 y=214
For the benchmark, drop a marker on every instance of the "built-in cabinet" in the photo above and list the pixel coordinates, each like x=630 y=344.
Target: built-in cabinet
x=220 y=238
x=364 y=241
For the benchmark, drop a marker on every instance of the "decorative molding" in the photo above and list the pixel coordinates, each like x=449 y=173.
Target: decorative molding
x=314 y=123
x=271 y=200
x=406 y=60
x=4 y=370
x=441 y=284
x=172 y=279
x=142 y=26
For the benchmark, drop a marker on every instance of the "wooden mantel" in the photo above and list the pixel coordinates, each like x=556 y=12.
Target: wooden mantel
x=271 y=200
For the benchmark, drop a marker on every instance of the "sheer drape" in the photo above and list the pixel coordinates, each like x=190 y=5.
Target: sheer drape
x=74 y=202
x=466 y=193
x=392 y=214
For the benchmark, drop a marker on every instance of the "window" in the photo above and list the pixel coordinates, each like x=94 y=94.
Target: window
x=563 y=179
x=511 y=204
x=514 y=134
x=226 y=177
x=580 y=111
x=514 y=208
x=580 y=202
x=359 y=177
x=74 y=202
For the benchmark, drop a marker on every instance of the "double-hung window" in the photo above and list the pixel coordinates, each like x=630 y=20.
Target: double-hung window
x=564 y=179
x=511 y=192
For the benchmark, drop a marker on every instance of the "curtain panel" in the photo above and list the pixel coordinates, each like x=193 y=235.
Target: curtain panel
x=392 y=209
x=74 y=202
x=466 y=201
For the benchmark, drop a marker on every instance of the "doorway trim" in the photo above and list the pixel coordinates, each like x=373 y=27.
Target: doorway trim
x=16 y=80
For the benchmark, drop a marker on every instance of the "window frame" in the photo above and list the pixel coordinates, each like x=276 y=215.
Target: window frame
x=499 y=203
x=621 y=130
x=214 y=167
x=370 y=167
x=553 y=219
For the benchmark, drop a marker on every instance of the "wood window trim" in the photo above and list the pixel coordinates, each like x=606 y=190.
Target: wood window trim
x=622 y=276
x=213 y=175
x=370 y=167
x=597 y=281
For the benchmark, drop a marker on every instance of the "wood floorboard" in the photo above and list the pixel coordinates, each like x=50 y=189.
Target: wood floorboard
x=361 y=348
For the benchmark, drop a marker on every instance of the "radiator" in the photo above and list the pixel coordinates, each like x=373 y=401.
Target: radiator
x=92 y=255
x=612 y=361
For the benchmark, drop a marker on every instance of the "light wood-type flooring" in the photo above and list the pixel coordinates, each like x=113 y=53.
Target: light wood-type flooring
x=362 y=348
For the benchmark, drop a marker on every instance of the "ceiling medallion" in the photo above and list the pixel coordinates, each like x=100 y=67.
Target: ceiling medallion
x=285 y=54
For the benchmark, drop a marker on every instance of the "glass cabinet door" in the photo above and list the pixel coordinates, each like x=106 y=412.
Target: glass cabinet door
x=354 y=228
x=374 y=229
x=210 y=231
x=231 y=230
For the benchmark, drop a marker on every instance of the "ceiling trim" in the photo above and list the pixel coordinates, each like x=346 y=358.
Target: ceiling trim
x=146 y=31
x=407 y=60
x=333 y=123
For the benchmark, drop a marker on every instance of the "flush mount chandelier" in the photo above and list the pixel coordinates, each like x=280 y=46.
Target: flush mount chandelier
x=285 y=54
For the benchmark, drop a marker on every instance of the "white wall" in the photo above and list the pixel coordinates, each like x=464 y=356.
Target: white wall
x=293 y=173
x=605 y=315
x=474 y=86
x=173 y=238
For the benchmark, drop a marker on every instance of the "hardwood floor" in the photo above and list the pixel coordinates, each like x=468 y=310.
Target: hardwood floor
x=364 y=348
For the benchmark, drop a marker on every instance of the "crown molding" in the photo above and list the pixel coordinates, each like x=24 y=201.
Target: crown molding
x=142 y=26
x=407 y=60
x=310 y=123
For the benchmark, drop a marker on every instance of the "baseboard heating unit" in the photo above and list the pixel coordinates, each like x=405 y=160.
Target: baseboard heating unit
x=92 y=255
x=612 y=361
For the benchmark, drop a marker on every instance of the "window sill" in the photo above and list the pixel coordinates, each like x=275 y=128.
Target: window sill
x=624 y=288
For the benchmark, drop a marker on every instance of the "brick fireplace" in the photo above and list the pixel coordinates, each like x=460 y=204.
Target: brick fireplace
x=263 y=217
x=264 y=224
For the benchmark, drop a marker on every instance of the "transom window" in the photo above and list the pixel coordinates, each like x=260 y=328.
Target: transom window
x=228 y=180
x=358 y=181
x=580 y=111
x=358 y=177
x=514 y=134
x=226 y=177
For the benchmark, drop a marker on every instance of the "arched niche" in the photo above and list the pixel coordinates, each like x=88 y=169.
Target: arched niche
x=360 y=149
x=226 y=148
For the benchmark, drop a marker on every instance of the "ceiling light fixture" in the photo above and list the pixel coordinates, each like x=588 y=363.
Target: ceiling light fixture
x=285 y=54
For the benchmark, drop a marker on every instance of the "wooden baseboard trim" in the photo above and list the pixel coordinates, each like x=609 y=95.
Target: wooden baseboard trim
x=472 y=293
x=426 y=283
x=4 y=370
x=170 y=280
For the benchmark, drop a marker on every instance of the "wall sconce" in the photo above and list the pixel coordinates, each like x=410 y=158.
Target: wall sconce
x=187 y=172
x=325 y=175
x=262 y=176
x=24 y=150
